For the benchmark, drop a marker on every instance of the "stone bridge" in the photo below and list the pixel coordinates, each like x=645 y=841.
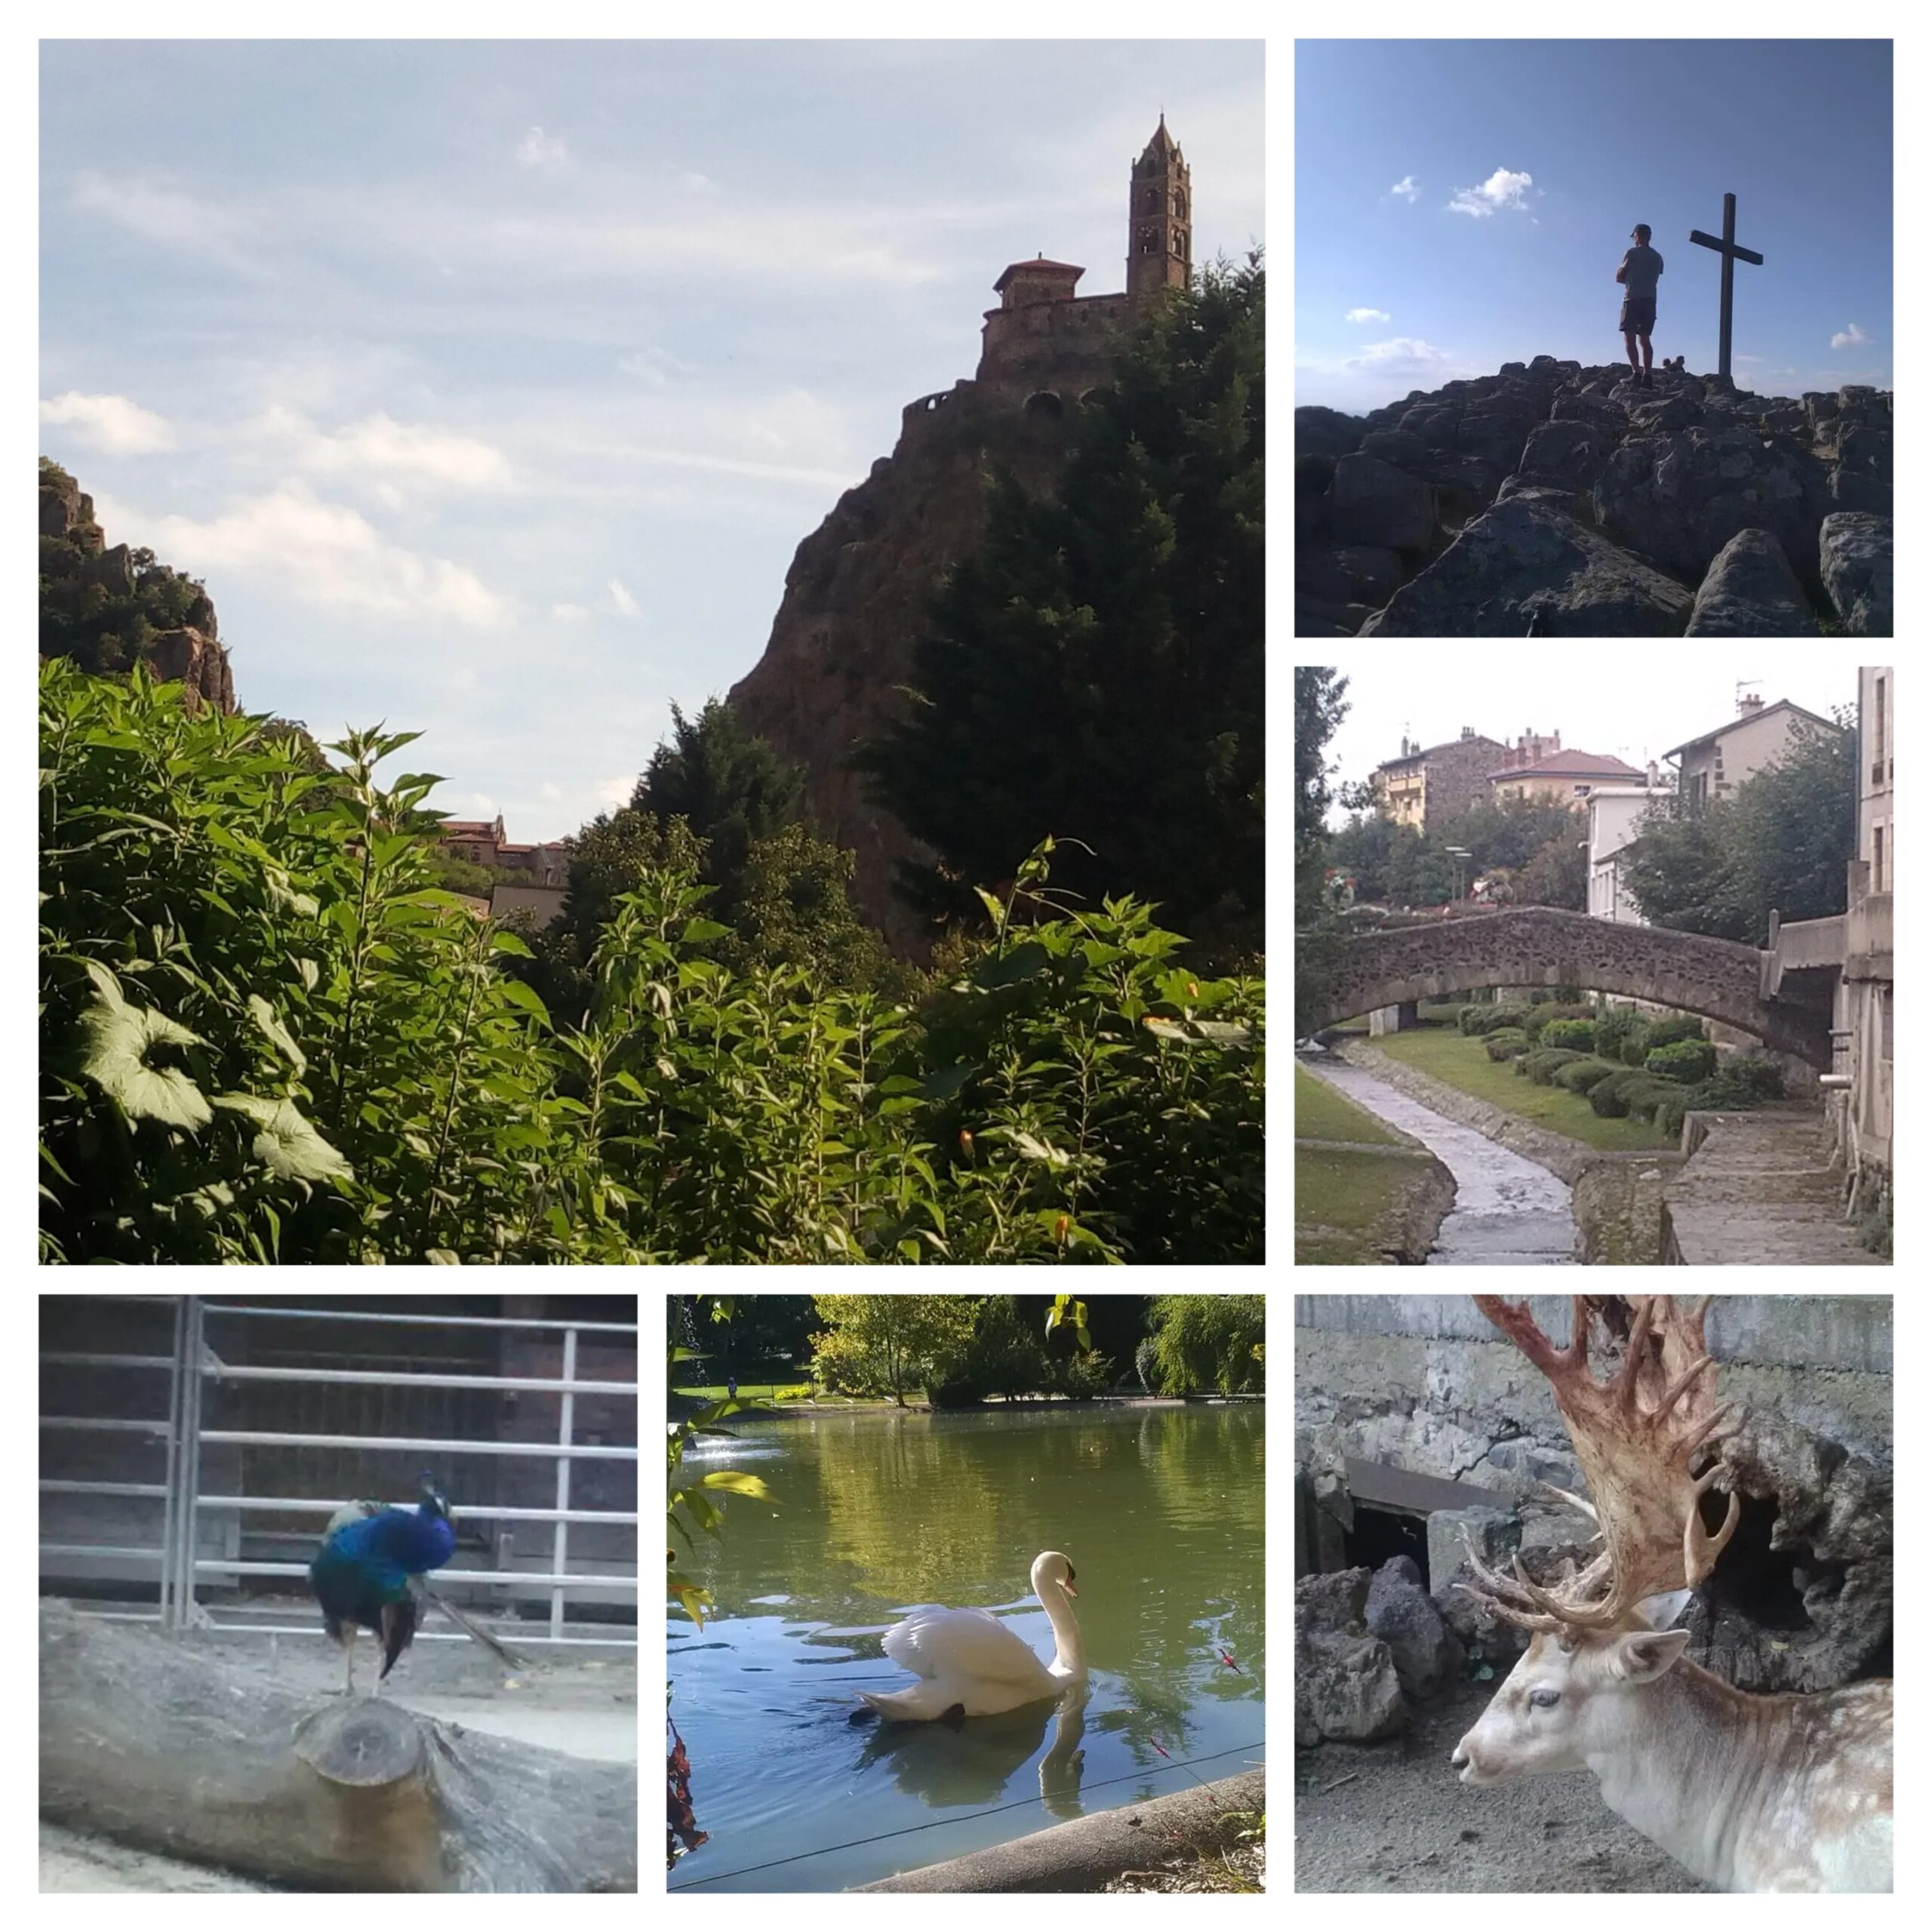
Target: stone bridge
x=1537 y=945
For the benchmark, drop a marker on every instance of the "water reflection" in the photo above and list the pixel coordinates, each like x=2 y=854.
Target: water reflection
x=973 y=1761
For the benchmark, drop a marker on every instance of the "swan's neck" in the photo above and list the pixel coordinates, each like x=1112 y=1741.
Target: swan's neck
x=1069 y=1660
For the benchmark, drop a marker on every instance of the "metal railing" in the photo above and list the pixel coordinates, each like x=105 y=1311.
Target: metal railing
x=192 y=1365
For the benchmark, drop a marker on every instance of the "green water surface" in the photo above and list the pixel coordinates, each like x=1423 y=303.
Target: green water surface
x=1159 y=1509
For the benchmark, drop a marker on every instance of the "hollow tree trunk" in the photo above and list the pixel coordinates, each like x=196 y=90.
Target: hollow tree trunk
x=146 y=1738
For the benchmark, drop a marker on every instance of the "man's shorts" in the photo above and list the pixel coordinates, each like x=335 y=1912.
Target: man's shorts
x=1640 y=314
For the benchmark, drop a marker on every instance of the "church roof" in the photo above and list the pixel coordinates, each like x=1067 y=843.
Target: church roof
x=1161 y=141
x=1038 y=262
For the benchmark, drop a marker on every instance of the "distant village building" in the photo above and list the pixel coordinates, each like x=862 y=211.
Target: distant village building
x=1425 y=788
x=1614 y=812
x=1715 y=765
x=1542 y=772
x=540 y=873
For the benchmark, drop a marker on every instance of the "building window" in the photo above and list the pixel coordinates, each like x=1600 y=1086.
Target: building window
x=1581 y=790
x=1877 y=730
x=1878 y=858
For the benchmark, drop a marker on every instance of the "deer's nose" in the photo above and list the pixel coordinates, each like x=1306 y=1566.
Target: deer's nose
x=1460 y=1761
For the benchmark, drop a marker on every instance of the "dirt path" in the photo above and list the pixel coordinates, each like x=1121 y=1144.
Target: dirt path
x=1402 y=1823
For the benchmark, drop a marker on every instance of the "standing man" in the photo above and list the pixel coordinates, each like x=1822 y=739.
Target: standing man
x=1638 y=272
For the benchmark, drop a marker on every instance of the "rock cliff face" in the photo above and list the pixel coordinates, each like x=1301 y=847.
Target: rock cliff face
x=1570 y=501
x=855 y=603
x=74 y=563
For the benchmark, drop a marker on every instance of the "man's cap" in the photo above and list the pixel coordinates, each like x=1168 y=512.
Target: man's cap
x=1641 y=232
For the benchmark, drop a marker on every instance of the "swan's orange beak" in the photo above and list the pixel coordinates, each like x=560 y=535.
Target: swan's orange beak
x=1068 y=1585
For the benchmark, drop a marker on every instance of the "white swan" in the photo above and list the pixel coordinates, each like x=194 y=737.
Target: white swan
x=968 y=1659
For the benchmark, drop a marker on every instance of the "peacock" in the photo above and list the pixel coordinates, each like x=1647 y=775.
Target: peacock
x=368 y=1574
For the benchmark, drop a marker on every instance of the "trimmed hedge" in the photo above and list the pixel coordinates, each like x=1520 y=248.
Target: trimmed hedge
x=1757 y=1072
x=1505 y=1043
x=1614 y=1027
x=1723 y=1094
x=1581 y=1075
x=1580 y=1035
x=1664 y=1031
x=1542 y=1064
x=1632 y=1091
x=1493 y=1019
x=1685 y=1061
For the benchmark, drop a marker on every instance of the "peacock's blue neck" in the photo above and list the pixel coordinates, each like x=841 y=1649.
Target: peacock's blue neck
x=399 y=1542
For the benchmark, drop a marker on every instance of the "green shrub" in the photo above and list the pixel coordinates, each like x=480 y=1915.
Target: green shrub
x=1579 y=1076
x=1635 y=1045
x=1542 y=1064
x=1614 y=1027
x=1505 y=1043
x=1686 y=1061
x=1632 y=1091
x=1668 y=1028
x=1721 y=1094
x=1871 y=1205
x=1759 y=1072
x=1468 y=1018
x=1580 y=1035
x=266 y=1036
x=1491 y=1019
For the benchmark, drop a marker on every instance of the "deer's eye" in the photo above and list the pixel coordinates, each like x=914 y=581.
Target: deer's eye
x=1544 y=1700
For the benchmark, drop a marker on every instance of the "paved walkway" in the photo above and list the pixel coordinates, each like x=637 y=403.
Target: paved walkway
x=1762 y=1188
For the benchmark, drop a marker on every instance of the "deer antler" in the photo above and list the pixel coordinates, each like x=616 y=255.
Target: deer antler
x=1636 y=1434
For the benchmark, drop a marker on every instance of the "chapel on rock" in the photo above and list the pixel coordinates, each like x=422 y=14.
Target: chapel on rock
x=1045 y=345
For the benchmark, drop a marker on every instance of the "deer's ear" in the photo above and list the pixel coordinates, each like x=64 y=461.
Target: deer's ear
x=1645 y=1655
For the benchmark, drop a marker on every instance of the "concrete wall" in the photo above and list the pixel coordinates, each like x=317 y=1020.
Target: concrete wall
x=1425 y=1382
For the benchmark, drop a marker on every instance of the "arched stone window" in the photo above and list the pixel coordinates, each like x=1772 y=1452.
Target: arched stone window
x=1045 y=402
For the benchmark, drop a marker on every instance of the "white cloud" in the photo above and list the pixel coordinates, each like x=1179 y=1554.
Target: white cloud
x=320 y=553
x=1365 y=315
x=1408 y=188
x=550 y=794
x=379 y=446
x=1850 y=337
x=613 y=794
x=538 y=150
x=166 y=218
x=1404 y=355
x=110 y=423
x=569 y=613
x=1503 y=189
x=626 y=604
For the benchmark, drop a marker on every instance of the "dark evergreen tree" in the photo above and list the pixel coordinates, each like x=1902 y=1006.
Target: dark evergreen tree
x=1095 y=671
x=731 y=789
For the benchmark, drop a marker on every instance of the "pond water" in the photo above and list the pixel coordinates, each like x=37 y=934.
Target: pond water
x=1157 y=1506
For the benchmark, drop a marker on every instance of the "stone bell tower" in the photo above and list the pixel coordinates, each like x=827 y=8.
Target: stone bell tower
x=1160 y=225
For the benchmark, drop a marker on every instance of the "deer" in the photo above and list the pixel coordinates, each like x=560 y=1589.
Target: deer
x=1750 y=1793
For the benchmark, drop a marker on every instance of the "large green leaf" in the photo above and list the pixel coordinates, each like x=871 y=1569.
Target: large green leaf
x=286 y=1145
x=265 y=1016
x=119 y=1038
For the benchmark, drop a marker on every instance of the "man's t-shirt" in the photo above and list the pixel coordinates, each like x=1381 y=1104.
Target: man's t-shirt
x=1642 y=265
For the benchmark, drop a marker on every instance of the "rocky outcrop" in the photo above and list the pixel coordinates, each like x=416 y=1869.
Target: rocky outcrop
x=856 y=601
x=181 y=643
x=1656 y=484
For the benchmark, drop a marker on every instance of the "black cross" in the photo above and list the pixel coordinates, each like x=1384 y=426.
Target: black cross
x=1728 y=249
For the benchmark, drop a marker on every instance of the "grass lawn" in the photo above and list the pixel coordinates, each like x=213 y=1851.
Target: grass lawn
x=1458 y=1060
x=1323 y=1114
x=1348 y=1206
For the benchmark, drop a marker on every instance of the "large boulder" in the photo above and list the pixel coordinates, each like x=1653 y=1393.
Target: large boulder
x=1425 y=1654
x=1565 y=455
x=1346 y=1687
x=1373 y=502
x=1679 y=499
x=1395 y=446
x=1524 y=556
x=1751 y=590
x=1597 y=411
x=1333 y=1600
x=1855 y=561
x=1326 y=431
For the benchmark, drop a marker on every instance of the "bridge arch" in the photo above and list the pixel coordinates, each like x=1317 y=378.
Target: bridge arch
x=1537 y=945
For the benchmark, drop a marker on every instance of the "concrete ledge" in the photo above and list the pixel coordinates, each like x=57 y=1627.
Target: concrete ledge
x=1083 y=1855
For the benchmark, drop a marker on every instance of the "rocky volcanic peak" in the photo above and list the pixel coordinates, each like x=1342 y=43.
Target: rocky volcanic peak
x=74 y=557
x=1572 y=497
x=856 y=601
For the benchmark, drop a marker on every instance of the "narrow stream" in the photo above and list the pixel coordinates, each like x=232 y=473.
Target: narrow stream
x=1507 y=1211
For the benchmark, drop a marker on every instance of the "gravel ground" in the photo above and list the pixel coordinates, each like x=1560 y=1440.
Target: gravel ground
x=1403 y=1824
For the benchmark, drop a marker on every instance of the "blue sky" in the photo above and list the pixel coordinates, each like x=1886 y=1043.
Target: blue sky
x=1459 y=205
x=491 y=386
